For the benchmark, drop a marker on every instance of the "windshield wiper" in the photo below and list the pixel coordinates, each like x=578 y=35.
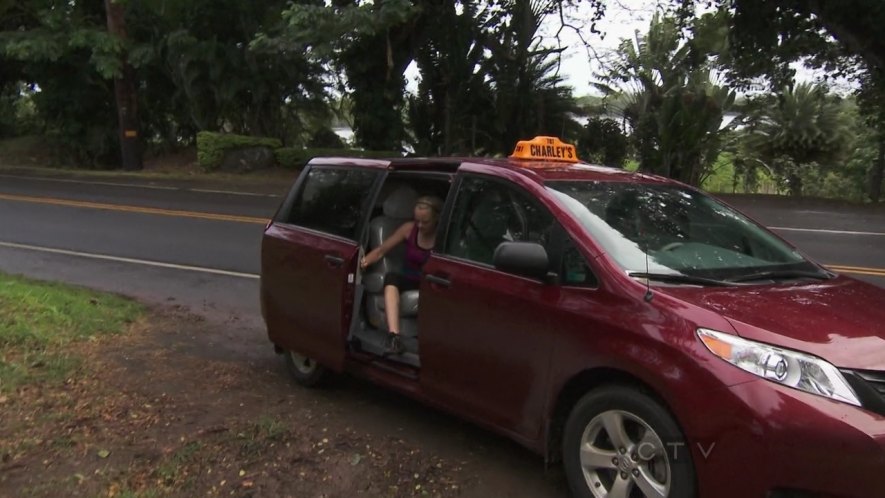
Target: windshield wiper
x=781 y=275
x=679 y=278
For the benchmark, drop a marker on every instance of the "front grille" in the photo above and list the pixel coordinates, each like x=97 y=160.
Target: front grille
x=870 y=388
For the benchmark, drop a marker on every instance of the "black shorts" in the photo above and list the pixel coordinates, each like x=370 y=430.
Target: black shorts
x=400 y=281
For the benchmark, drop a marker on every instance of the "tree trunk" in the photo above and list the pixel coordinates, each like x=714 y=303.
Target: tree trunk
x=125 y=94
x=878 y=172
x=447 y=123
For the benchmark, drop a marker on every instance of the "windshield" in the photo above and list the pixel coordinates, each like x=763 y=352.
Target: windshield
x=682 y=231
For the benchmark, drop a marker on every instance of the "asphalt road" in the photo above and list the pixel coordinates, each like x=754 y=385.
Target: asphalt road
x=221 y=231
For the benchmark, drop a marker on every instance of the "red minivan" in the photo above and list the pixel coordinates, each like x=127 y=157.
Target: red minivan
x=656 y=341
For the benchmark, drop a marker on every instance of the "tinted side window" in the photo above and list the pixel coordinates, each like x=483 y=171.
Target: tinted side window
x=331 y=200
x=488 y=213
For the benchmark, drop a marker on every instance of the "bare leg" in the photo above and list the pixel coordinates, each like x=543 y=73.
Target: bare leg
x=391 y=307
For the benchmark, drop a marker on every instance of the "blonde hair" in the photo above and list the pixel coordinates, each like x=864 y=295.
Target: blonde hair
x=433 y=202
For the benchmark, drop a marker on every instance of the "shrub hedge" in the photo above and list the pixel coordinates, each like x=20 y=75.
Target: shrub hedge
x=211 y=147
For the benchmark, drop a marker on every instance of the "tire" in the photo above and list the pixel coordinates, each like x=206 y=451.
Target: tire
x=647 y=447
x=305 y=370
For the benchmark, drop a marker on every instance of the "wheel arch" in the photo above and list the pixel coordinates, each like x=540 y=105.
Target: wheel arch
x=579 y=385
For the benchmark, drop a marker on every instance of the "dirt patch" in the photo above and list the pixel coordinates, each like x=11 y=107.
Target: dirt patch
x=157 y=412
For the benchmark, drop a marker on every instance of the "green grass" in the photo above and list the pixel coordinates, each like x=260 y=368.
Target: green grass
x=254 y=438
x=170 y=471
x=721 y=179
x=39 y=321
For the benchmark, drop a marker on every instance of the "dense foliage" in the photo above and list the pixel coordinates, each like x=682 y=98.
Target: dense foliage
x=674 y=98
x=666 y=95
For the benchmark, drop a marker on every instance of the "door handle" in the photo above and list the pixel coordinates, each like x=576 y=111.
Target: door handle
x=434 y=279
x=333 y=260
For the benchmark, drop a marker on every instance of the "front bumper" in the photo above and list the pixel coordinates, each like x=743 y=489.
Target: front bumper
x=767 y=439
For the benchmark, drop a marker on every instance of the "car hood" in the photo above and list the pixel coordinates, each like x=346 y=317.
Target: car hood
x=840 y=320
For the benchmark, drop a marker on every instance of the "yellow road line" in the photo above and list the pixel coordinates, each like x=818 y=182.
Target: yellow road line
x=134 y=209
x=879 y=272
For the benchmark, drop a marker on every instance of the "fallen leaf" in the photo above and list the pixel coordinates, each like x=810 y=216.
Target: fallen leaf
x=103 y=453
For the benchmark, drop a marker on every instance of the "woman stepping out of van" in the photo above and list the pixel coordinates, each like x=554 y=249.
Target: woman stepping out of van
x=419 y=237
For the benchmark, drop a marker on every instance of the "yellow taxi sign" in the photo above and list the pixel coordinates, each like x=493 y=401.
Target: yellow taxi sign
x=545 y=149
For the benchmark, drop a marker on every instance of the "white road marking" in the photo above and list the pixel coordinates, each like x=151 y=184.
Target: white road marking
x=137 y=185
x=821 y=230
x=229 y=192
x=118 y=259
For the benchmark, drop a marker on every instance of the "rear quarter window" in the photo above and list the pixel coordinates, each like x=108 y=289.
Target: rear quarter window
x=331 y=200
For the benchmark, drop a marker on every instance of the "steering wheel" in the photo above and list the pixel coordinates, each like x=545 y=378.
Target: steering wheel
x=672 y=245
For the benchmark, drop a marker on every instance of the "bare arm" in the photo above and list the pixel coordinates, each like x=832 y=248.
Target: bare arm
x=399 y=236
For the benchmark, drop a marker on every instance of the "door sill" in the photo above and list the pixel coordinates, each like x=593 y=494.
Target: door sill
x=401 y=365
x=373 y=344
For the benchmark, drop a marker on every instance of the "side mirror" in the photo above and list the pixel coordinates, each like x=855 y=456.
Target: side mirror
x=527 y=259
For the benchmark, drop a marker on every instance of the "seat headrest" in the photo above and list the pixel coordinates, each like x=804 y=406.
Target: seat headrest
x=400 y=203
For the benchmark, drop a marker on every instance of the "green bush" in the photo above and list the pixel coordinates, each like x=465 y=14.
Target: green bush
x=296 y=158
x=290 y=157
x=211 y=146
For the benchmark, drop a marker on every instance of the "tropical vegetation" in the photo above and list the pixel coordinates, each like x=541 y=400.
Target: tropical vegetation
x=707 y=94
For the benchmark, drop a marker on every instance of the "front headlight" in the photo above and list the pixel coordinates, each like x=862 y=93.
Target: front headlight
x=790 y=368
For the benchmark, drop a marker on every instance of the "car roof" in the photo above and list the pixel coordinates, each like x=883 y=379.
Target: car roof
x=540 y=171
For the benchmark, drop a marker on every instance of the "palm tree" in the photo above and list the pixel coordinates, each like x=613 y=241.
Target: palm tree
x=662 y=88
x=529 y=95
x=795 y=129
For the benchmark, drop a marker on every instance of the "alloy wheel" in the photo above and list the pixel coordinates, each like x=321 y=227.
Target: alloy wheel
x=622 y=457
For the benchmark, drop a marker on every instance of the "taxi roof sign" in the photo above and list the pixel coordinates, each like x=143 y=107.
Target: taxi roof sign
x=545 y=149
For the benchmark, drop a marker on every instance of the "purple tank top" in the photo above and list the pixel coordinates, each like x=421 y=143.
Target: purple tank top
x=416 y=256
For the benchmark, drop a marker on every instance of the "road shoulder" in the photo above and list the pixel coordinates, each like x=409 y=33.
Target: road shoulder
x=161 y=412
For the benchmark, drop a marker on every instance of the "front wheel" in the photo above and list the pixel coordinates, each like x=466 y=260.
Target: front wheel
x=621 y=443
x=305 y=370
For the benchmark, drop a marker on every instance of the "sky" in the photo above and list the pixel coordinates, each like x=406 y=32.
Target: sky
x=622 y=19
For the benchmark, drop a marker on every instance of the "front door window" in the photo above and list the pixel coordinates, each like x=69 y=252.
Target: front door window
x=489 y=212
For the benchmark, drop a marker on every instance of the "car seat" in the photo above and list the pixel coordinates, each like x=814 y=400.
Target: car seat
x=397 y=208
x=490 y=222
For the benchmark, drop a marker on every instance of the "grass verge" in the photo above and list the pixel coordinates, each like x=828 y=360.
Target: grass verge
x=39 y=321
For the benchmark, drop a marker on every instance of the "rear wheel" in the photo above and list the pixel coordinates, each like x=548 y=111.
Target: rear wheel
x=621 y=443
x=305 y=370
